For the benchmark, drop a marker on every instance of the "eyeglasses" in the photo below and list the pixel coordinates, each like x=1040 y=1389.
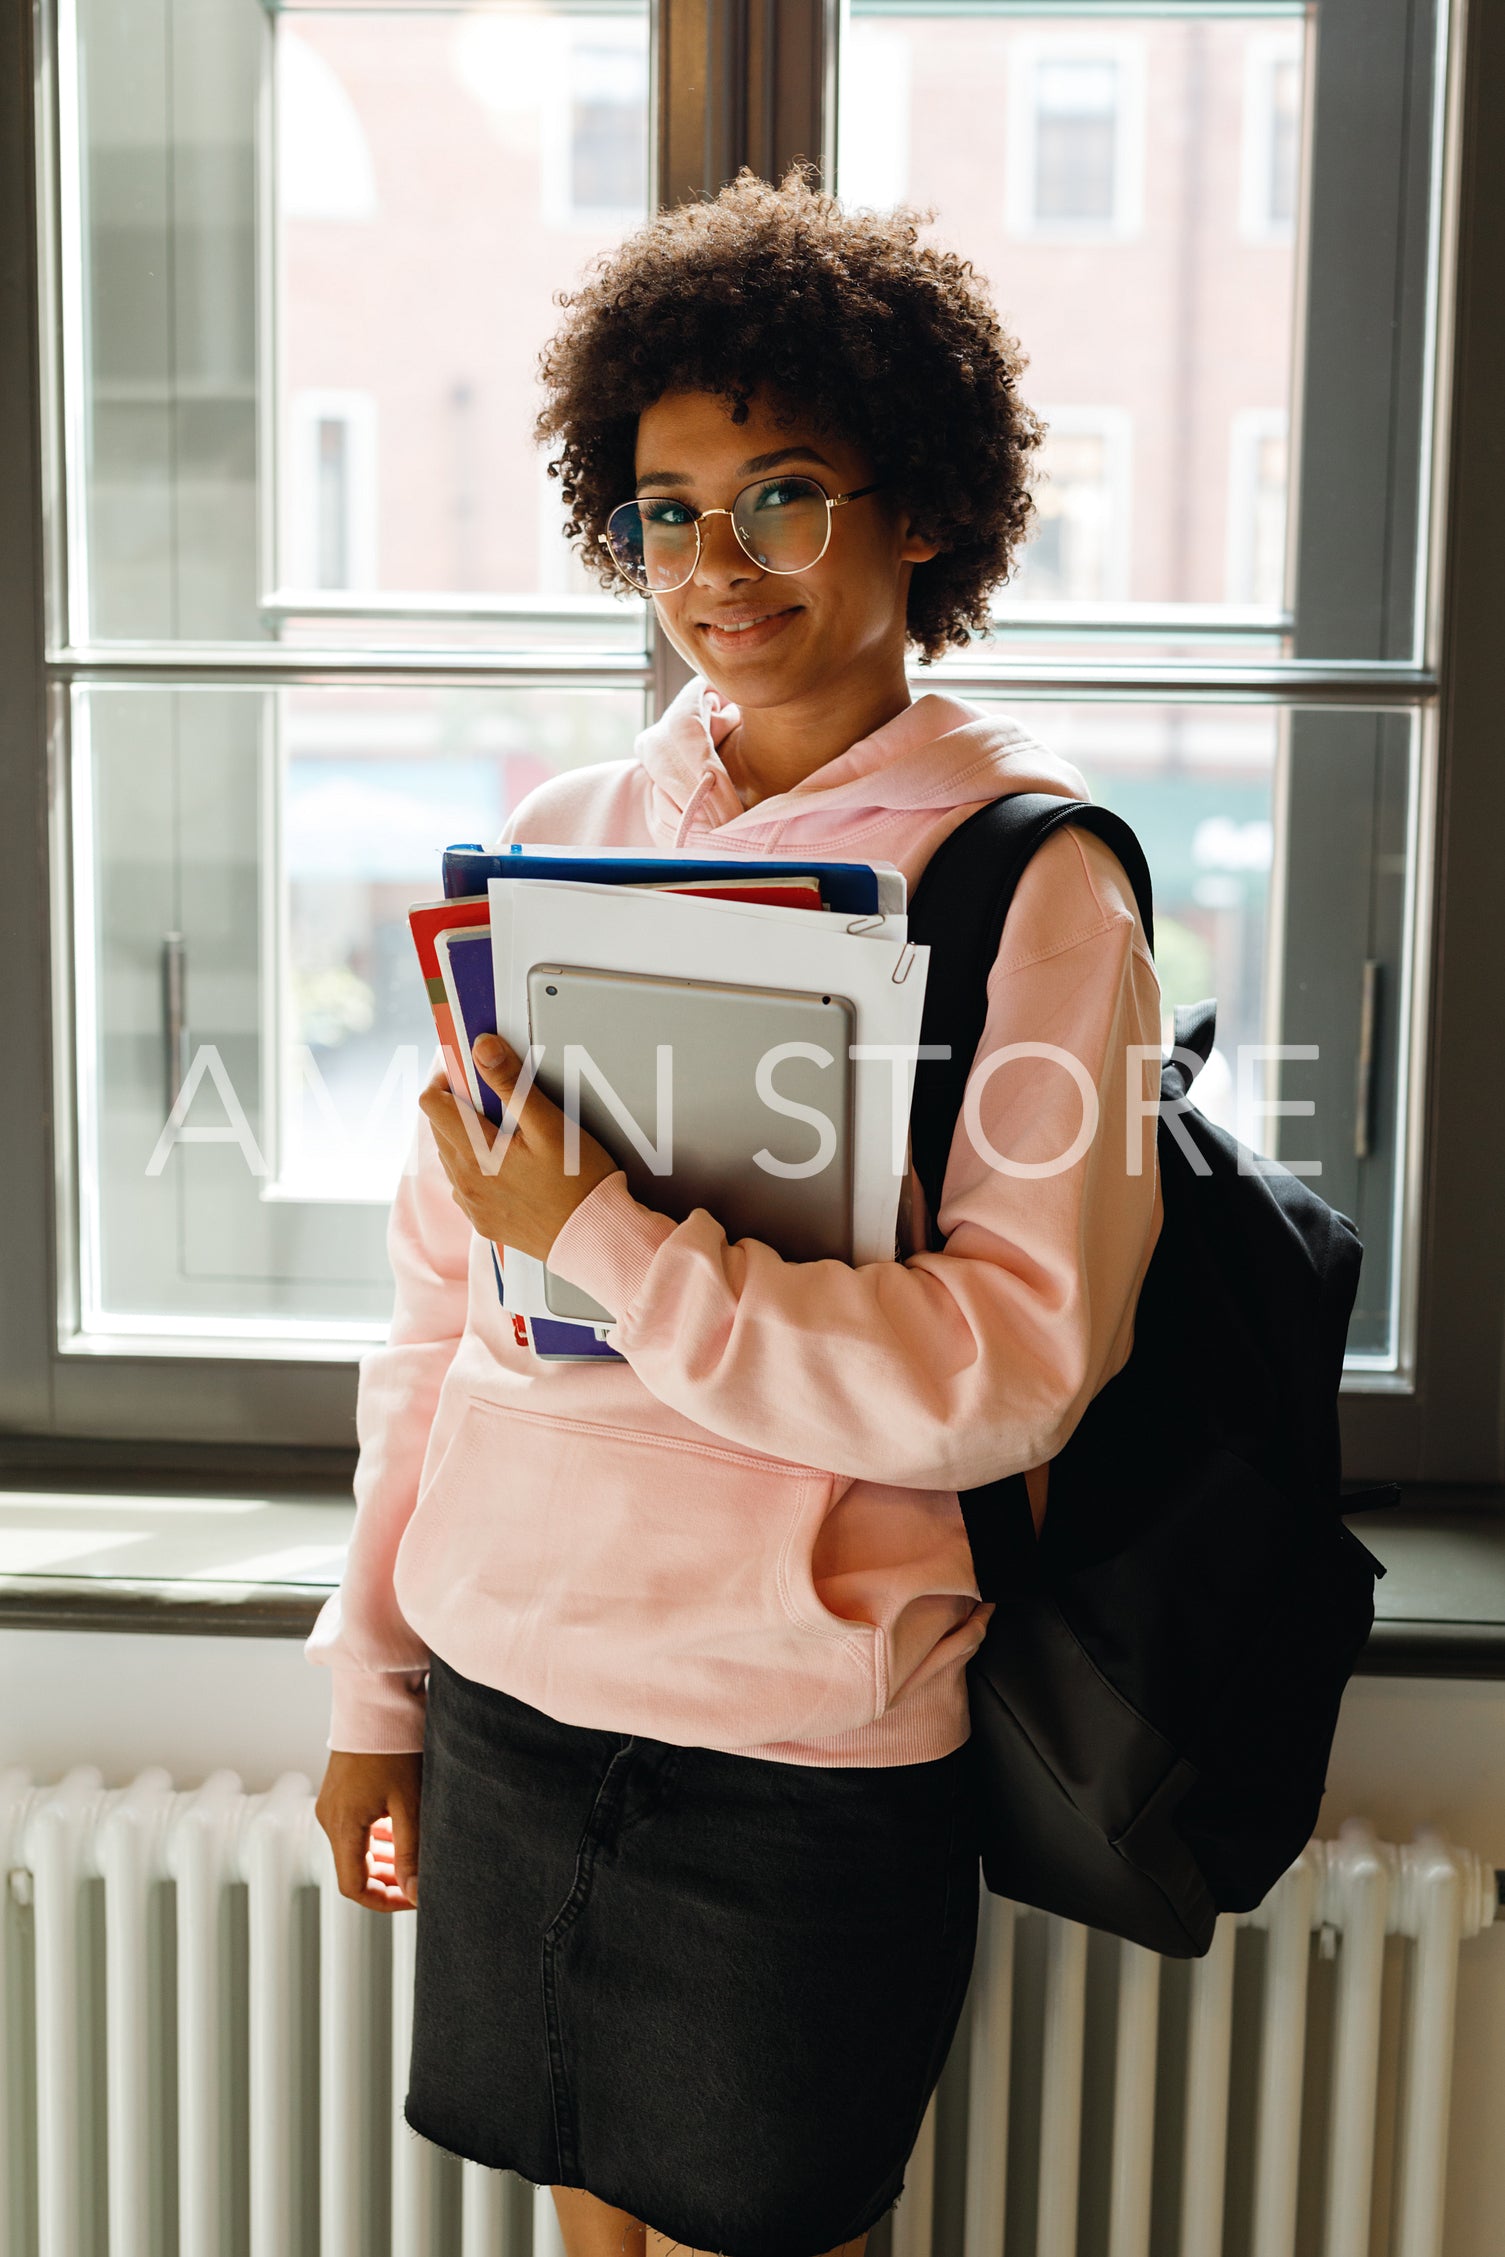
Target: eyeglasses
x=783 y=524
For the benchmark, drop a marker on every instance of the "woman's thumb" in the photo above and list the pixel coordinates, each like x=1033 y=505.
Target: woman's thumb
x=496 y=1063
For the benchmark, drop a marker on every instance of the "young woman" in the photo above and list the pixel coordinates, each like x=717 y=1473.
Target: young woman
x=676 y=1645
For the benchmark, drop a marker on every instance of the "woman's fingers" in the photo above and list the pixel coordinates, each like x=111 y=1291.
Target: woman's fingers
x=404 y=1824
x=347 y=1841
x=368 y=1807
x=455 y=1124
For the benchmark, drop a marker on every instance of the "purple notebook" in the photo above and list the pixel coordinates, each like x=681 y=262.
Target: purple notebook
x=475 y=991
x=470 y=968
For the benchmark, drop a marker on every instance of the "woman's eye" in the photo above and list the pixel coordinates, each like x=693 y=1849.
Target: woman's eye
x=780 y=494
x=666 y=513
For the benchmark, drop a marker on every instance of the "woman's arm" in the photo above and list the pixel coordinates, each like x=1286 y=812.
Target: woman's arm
x=955 y=1368
x=378 y=1662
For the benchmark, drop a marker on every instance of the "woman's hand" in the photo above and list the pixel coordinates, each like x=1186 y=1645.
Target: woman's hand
x=368 y=1806
x=511 y=1184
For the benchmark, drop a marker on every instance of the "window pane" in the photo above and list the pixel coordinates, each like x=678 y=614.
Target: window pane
x=1132 y=186
x=1075 y=126
x=244 y=862
x=318 y=257
x=1217 y=795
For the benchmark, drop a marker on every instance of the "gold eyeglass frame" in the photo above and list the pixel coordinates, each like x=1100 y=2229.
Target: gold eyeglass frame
x=698 y=516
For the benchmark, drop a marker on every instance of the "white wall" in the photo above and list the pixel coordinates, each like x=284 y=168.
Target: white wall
x=195 y=1705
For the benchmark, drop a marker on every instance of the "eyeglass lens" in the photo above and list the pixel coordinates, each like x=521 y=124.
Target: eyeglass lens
x=782 y=523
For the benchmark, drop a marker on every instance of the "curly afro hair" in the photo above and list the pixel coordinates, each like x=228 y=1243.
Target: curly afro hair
x=845 y=317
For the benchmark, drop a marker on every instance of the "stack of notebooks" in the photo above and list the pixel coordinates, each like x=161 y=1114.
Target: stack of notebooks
x=739 y=1034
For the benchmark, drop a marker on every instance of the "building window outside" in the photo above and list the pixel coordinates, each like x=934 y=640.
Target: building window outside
x=332 y=492
x=1079 y=548
x=1270 y=171
x=1076 y=139
x=1257 y=485
x=608 y=136
x=593 y=109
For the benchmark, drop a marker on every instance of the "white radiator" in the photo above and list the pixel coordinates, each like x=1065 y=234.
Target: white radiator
x=202 y=2054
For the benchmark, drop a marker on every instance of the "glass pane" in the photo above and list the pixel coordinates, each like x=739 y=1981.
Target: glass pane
x=316 y=262
x=1220 y=796
x=440 y=175
x=1128 y=184
x=244 y=863
x=1135 y=188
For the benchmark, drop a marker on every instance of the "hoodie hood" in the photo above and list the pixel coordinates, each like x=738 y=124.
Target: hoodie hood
x=938 y=754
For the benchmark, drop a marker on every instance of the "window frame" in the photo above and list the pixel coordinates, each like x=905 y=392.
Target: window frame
x=772 y=70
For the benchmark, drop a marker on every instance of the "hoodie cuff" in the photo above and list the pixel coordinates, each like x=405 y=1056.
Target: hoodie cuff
x=377 y=1712
x=608 y=1243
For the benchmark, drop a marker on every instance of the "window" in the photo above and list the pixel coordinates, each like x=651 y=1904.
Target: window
x=567 y=88
x=332 y=487
x=1257 y=509
x=1270 y=179
x=309 y=613
x=1080 y=545
x=608 y=97
x=1075 y=137
x=1075 y=171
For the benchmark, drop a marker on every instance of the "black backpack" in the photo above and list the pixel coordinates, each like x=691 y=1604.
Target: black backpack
x=1153 y=1706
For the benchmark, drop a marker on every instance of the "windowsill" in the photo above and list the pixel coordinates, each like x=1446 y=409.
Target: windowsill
x=247 y=1566
x=257 y=1567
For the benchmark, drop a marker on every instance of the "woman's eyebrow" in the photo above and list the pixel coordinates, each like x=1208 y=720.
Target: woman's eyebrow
x=747 y=470
x=781 y=454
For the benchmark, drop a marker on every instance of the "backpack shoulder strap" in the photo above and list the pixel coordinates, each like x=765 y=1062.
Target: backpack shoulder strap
x=958 y=912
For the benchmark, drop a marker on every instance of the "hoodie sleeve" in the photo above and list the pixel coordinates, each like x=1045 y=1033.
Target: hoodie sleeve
x=954 y=1368
x=377 y=1661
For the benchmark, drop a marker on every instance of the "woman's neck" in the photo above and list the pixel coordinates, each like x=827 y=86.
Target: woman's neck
x=773 y=748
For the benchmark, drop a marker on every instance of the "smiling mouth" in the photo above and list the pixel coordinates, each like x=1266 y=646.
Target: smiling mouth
x=743 y=630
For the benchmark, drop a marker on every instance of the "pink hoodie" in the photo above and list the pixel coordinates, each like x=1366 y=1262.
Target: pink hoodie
x=747 y=1535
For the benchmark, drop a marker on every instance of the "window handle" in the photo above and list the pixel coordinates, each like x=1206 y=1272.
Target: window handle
x=174 y=1013
x=1369 y=1004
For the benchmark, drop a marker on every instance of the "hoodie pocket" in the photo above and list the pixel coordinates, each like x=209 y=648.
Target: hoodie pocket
x=634 y=1582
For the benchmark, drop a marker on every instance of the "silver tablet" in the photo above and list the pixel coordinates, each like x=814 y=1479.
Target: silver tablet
x=720 y=1117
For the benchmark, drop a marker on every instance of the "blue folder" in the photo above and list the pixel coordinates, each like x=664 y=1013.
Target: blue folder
x=851 y=887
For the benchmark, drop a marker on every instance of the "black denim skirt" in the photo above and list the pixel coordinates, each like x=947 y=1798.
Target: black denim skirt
x=715 y=1991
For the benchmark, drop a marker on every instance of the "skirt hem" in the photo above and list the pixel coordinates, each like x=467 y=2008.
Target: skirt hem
x=485 y=2163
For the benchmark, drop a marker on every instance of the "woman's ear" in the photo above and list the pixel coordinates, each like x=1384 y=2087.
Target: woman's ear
x=914 y=548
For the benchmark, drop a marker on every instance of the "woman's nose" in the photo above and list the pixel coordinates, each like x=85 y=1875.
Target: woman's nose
x=723 y=560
